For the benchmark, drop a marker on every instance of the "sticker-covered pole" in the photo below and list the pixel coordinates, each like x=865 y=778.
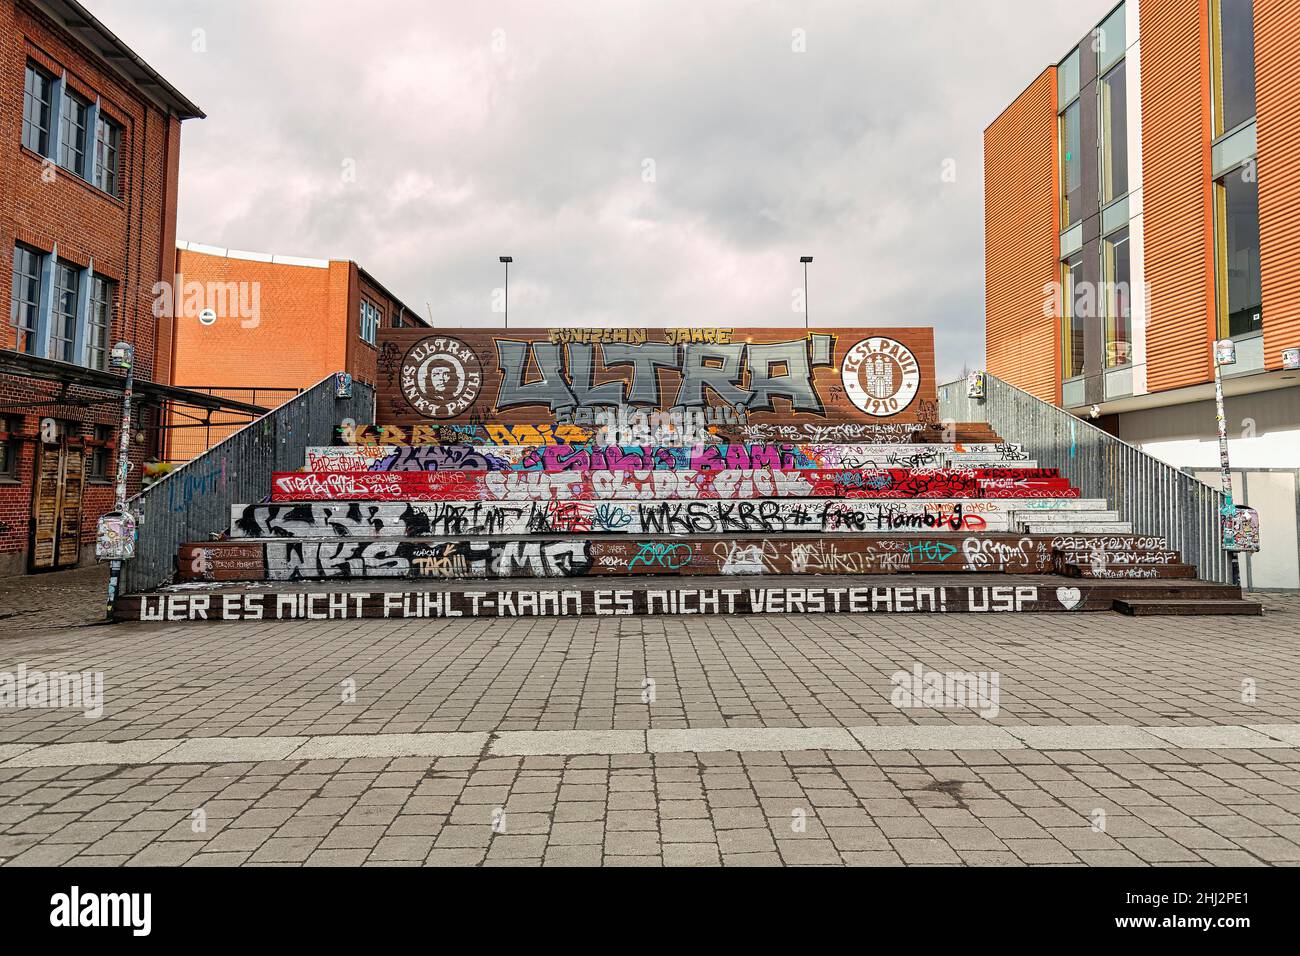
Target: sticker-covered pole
x=123 y=357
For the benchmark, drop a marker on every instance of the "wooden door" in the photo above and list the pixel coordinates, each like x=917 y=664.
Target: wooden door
x=56 y=506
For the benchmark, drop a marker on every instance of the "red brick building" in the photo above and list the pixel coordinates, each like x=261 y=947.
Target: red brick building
x=89 y=157
x=250 y=323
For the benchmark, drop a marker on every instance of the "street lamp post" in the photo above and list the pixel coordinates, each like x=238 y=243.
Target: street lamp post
x=506 y=260
x=805 y=260
x=1225 y=353
x=122 y=356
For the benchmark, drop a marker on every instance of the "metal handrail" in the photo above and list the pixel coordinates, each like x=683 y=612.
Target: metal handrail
x=1155 y=497
x=192 y=502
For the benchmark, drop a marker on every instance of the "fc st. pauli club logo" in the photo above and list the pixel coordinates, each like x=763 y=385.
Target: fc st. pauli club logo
x=881 y=376
x=441 y=377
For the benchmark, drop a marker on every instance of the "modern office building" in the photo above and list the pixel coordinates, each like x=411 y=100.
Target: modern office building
x=1142 y=200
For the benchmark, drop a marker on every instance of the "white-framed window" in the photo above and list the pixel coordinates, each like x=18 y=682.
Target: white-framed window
x=61 y=310
x=108 y=146
x=38 y=107
x=74 y=116
x=99 y=321
x=71 y=130
x=25 y=306
x=370 y=319
x=65 y=312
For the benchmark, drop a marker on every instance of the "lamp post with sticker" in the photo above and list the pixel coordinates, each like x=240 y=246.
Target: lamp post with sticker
x=115 y=537
x=1239 y=526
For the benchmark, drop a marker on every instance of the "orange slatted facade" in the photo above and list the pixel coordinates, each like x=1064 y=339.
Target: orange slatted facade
x=1277 y=83
x=1021 y=241
x=1176 y=191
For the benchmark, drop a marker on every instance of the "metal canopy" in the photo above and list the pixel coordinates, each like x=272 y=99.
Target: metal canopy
x=50 y=370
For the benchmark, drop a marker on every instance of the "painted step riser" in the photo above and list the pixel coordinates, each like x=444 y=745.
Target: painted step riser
x=1205 y=609
x=661 y=485
x=1114 y=558
x=454 y=519
x=1108 y=543
x=288 y=560
x=1128 y=572
x=722 y=457
x=845 y=433
x=1081 y=509
x=677 y=601
x=1119 y=527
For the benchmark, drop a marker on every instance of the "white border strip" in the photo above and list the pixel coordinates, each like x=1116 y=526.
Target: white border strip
x=913 y=737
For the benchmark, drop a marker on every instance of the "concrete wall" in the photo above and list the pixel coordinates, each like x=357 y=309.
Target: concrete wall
x=1264 y=451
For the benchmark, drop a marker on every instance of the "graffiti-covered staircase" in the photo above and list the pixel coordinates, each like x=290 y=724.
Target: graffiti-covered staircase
x=417 y=520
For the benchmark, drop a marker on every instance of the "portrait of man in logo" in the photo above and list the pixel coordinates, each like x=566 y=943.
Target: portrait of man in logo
x=441 y=377
x=881 y=376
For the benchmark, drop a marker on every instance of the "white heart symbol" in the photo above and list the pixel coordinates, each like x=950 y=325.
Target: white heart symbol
x=1070 y=597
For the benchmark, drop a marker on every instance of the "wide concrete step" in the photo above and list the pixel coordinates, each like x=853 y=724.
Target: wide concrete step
x=1111 y=558
x=684 y=484
x=717 y=457
x=1130 y=571
x=548 y=433
x=1187 y=607
x=612 y=597
x=411 y=519
x=1062 y=512
x=1079 y=527
x=289 y=559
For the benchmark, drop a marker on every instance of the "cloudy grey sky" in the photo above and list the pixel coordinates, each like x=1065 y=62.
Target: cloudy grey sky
x=646 y=163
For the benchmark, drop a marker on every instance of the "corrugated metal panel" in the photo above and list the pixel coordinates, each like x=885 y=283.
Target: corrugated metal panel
x=1176 y=191
x=1277 y=86
x=193 y=502
x=1021 y=241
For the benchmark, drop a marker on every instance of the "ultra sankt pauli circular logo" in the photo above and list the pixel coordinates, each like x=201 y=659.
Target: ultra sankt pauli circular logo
x=881 y=376
x=441 y=377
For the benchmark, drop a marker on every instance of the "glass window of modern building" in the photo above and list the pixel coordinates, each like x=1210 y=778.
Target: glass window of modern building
x=1232 y=60
x=1067 y=88
x=1117 y=276
x=1113 y=104
x=1236 y=246
x=1075 y=306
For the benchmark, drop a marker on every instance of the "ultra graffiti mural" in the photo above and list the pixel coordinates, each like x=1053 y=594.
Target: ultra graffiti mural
x=605 y=472
x=729 y=377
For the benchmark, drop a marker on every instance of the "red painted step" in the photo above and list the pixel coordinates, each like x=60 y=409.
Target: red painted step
x=668 y=484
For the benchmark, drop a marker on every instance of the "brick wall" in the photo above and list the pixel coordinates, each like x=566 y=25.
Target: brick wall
x=130 y=238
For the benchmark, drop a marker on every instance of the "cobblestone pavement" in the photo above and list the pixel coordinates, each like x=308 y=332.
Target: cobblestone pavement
x=407 y=742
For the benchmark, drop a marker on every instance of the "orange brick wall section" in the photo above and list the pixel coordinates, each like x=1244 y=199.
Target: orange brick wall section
x=1021 y=241
x=1277 y=86
x=289 y=344
x=1176 y=192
